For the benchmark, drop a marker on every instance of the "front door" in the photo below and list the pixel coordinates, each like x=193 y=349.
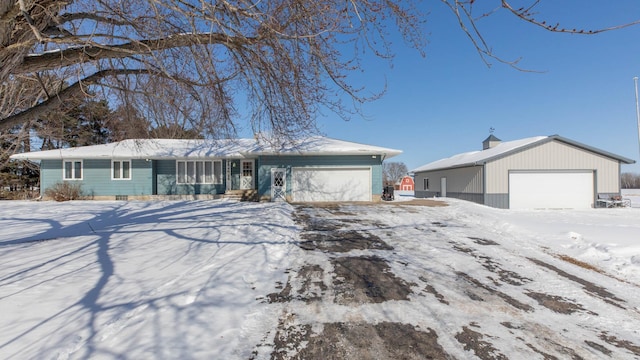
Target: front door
x=246 y=174
x=278 y=184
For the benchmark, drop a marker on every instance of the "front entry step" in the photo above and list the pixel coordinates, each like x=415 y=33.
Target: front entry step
x=242 y=195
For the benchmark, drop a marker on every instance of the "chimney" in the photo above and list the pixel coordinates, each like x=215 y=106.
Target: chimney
x=490 y=142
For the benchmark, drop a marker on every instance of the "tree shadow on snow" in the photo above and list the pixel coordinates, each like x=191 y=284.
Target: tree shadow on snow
x=198 y=223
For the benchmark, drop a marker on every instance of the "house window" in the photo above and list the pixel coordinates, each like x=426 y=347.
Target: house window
x=426 y=183
x=72 y=170
x=199 y=172
x=247 y=168
x=121 y=170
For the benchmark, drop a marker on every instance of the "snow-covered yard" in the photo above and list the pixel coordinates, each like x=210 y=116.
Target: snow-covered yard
x=192 y=279
x=159 y=279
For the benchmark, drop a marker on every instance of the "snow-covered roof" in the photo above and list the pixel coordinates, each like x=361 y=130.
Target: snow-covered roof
x=203 y=148
x=146 y=149
x=320 y=145
x=505 y=148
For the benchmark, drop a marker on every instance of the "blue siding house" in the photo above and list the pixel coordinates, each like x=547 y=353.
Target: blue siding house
x=309 y=170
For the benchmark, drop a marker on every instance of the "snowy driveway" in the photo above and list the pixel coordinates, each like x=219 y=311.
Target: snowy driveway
x=387 y=282
x=228 y=280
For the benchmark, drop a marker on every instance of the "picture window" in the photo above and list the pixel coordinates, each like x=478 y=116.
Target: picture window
x=199 y=172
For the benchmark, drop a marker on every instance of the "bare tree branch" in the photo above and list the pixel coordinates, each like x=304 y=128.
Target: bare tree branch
x=93 y=52
x=62 y=96
x=281 y=61
x=527 y=15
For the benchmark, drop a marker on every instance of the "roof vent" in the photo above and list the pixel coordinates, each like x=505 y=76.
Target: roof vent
x=490 y=142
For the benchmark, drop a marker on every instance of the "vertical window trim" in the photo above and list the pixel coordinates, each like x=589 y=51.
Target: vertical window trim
x=426 y=183
x=217 y=178
x=181 y=172
x=73 y=170
x=120 y=170
x=208 y=172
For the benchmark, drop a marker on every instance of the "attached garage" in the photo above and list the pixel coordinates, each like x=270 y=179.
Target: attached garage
x=551 y=190
x=316 y=184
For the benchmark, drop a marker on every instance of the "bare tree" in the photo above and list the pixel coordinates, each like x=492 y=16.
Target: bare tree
x=127 y=123
x=282 y=60
x=19 y=94
x=630 y=180
x=393 y=171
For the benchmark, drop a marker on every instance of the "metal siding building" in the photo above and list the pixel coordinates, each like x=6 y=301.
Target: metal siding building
x=490 y=176
x=462 y=183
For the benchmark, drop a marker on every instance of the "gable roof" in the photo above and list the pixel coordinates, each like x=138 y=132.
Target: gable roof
x=475 y=158
x=491 y=138
x=204 y=148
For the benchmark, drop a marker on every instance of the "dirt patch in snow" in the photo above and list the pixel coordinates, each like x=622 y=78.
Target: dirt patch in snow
x=342 y=241
x=473 y=340
x=598 y=347
x=342 y=340
x=478 y=285
x=317 y=224
x=367 y=279
x=588 y=287
x=624 y=344
x=321 y=223
x=557 y=303
x=312 y=286
x=481 y=241
x=505 y=276
x=428 y=288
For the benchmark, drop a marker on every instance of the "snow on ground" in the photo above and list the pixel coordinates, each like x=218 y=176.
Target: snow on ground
x=172 y=279
x=607 y=238
x=189 y=279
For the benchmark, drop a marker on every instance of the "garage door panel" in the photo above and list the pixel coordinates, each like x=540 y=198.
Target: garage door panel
x=331 y=184
x=551 y=190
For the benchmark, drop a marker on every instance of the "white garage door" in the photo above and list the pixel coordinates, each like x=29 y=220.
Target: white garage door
x=551 y=190
x=331 y=184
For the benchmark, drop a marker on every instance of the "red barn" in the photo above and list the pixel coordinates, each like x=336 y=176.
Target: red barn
x=405 y=184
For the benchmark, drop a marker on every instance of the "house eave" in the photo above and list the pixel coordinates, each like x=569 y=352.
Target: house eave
x=458 y=166
x=385 y=155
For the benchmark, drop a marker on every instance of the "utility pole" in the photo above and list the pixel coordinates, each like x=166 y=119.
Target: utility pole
x=635 y=80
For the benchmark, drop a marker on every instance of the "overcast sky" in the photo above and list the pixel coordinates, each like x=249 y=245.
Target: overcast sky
x=446 y=103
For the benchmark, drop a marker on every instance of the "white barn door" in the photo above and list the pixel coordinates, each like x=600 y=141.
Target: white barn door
x=551 y=190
